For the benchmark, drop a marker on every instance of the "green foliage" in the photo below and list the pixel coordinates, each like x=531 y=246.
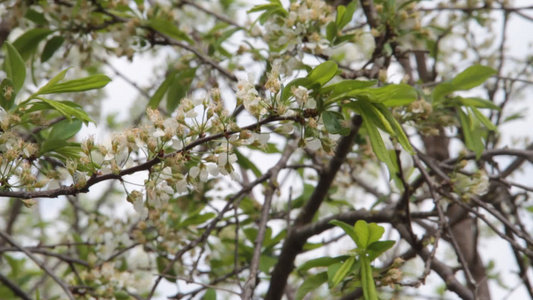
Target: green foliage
x=169 y=29
x=470 y=78
x=15 y=70
x=28 y=42
x=369 y=247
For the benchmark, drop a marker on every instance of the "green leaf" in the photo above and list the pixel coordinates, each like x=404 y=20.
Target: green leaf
x=36 y=17
x=471 y=136
x=65 y=129
x=367 y=279
x=272 y=5
x=376 y=248
x=398 y=95
x=342 y=272
x=266 y=263
x=6 y=100
x=77 y=85
x=396 y=127
x=51 y=145
x=332 y=121
x=468 y=79
x=169 y=29
x=310 y=284
x=441 y=90
x=363 y=233
x=14 y=67
x=378 y=146
x=179 y=88
x=271 y=242
x=345 y=86
x=341 y=9
x=52 y=81
x=390 y=95
x=196 y=219
x=51 y=47
x=247 y=164
x=349 y=230
x=28 y=42
x=472 y=77
x=478 y=103
x=161 y=91
x=68 y=109
x=370 y=112
x=375 y=232
x=323 y=73
x=71 y=150
x=210 y=294
x=483 y=119
x=331 y=31
x=346 y=16
x=322 y=261
x=371 y=127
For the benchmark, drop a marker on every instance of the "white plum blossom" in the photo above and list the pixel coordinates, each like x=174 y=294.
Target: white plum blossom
x=194 y=171
x=212 y=169
x=181 y=186
x=261 y=138
x=160 y=194
x=313 y=144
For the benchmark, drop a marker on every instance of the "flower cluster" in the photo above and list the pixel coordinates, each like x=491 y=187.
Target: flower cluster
x=469 y=186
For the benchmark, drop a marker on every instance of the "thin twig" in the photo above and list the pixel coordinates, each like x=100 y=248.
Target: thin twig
x=62 y=284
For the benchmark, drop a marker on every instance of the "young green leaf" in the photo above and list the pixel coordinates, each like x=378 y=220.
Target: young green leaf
x=68 y=109
x=468 y=79
x=36 y=17
x=345 y=17
x=367 y=279
x=14 y=67
x=77 y=85
x=478 y=103
x=349 y=230
x=321 y=262
x=378 y=146
x=323 y=72
x=28 y=42
x=342 y=272
x=60 y=76
x=179 y=88
x=371 y=113
x=398 y=130
x=169 y=29
x=363 y=233
x=51 y=47
x=346 y=86
x=310 y=284
x=471 y=136
x=483 y=119
x=375 y=232
x=210 y=294
x=247 y=164
x=332 y=121
x=65 y=129
x=377 y=248
x=331 y=31
x=196 y=219
x=472 y=77
x=161 y=91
